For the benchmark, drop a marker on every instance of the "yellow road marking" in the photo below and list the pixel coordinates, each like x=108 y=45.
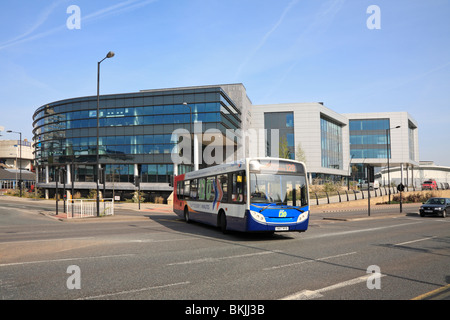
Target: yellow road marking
x=434 y=292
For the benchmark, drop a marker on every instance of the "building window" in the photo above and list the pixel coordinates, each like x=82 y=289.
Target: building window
x=368 y=138
x=284 y=123
x=331 y=144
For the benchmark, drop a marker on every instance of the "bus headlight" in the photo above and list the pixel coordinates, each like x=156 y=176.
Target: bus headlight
x=257 y=216
x=303 y=216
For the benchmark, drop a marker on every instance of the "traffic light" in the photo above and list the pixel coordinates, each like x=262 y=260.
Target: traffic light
x=101 y=178
x=137 y=180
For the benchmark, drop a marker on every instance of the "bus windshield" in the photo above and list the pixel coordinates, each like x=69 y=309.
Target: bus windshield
x=278 y=189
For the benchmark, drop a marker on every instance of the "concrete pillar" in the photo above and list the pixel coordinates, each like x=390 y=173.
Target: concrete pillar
x=68 y=181
x=197 y=145
x=196 y=155
x=47 y=179
x=407 y=175
x=68 y=174
x=175 y=150
x=401 y=173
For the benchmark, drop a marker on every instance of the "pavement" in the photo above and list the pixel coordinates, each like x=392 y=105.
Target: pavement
x=361 y=212
x=344 y=211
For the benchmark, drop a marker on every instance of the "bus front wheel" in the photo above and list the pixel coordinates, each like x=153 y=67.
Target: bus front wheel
x=223 y=222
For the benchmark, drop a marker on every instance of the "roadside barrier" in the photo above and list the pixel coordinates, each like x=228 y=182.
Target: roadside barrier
x=357 y=195
x=84 y=208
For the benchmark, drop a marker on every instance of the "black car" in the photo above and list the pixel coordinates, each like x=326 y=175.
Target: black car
x=435 y=206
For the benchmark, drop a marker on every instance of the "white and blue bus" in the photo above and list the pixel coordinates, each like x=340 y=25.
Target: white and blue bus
x=252 y=195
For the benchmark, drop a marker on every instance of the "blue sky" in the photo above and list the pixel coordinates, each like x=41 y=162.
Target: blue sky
x=282 y=51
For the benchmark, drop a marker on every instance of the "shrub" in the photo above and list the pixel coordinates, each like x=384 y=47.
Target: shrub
x=417 y=197
x=330 y=187
x=159 y=200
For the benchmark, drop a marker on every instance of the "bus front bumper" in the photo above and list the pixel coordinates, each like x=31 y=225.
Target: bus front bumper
x=254 y=225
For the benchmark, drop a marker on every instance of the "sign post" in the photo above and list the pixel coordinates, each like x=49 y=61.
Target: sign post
x=401 y=188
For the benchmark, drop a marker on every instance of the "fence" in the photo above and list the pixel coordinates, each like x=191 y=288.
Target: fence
x=83 y=208
x=349 y=195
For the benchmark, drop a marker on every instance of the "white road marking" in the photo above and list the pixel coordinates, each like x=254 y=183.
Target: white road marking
x=359 y=231
x=163 y=240
x=309 y=261
x=66 y=259
x=408 y=242
x=133 y=291
x=45 y=240
x=222 y=258
x=313 y=294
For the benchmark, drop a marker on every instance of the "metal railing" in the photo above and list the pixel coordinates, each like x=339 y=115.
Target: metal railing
x=347 y=196
x=84 y=208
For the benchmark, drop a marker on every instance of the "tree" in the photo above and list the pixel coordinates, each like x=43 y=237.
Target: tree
x=300 y=154
x=283 y=148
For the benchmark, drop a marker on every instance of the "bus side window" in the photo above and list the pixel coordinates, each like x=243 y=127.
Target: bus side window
x=223 y=180
x=180 y=190
x=210 y=188
x=193 y=193
x=237 y=194
x=244 y=186
x=186 y=189
x=304 y=196
x=201 y=189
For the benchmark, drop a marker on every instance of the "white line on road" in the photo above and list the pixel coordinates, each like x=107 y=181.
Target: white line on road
x=162 y=240
x=412 y=241
x=308 y=261
x=313 y=294
x=359 y=231
x=222 y=258
x=134 y=291
x=66 y=259
x=45 y=240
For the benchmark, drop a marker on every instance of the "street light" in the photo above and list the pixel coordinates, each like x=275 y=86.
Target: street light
x=109 y=55
x=20 y=160
x=388 y=134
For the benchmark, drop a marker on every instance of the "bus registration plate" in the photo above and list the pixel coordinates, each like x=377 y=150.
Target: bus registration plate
x=281 y=228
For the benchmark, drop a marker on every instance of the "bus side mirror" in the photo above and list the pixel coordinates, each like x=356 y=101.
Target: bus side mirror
x=170 y=181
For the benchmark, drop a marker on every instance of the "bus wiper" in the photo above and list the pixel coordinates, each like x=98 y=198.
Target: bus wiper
x=269 y=205
x=292 y=207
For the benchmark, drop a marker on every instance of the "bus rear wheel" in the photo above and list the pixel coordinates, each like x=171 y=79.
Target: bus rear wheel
x=186 y=215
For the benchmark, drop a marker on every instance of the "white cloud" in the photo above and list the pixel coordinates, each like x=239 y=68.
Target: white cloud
x=31 y=34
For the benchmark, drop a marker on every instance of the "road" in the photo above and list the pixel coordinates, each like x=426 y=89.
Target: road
x=154 y=255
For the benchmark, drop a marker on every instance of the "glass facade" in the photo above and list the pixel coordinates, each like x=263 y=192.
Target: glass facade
x=368 y=139
x=134 y=129
x=331 y=144
x=284 y=122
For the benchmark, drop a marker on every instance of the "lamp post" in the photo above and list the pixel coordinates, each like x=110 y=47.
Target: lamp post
x=20 y=160
x=109 y=55
x=388 y=134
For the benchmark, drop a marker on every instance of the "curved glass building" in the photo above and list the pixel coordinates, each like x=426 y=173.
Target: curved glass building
x=134 y=136
x=137 y=133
